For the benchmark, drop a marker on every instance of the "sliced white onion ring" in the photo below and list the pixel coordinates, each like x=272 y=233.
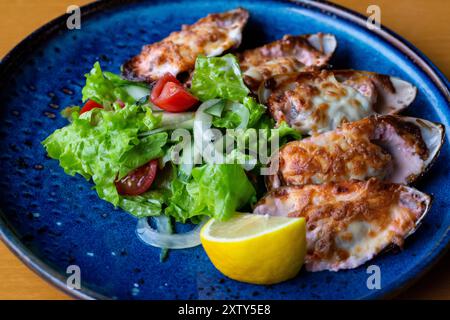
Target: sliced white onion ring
x=202 y=123
x=169 y=241
x=187 y=161
x=163 y=224
x=203 y=120
x=263 y=93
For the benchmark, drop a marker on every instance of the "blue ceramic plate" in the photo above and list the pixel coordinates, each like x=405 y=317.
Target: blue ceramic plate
x=51 y=220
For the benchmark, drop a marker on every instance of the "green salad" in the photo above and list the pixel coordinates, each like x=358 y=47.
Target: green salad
x=120 y=130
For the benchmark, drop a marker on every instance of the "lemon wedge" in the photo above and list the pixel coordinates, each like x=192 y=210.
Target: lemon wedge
x=257 y=249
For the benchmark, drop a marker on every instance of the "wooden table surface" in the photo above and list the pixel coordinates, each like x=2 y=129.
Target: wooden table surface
x=422 y=22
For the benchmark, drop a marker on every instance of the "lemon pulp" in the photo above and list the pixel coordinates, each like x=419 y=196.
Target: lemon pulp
x=256 y=248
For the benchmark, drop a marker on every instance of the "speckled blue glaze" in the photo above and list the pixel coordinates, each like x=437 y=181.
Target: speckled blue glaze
x=52 y=220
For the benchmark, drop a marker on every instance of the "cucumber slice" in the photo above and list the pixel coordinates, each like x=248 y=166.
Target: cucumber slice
x=137 y=92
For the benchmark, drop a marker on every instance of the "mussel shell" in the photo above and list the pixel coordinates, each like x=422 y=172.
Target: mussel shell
x=406 y=164
x=433 y=135
x=323 y=42
x=381 y=94
x=177 y=52
x=394 y=94
x=329 y=210
x=292 y=53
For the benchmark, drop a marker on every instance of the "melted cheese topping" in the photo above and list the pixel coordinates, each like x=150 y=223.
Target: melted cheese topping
x=333 y=156
x=288 y=55
x=385 y=147
x=317 y=102
x=348 y=223
x=210 y=36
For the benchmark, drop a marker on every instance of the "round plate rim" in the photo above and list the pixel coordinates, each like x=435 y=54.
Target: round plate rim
x=436 y=76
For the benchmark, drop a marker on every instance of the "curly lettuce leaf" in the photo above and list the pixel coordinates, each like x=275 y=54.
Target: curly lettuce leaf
x=218 y=77
x=222 y=189
x=255 y=109
x=148 y=204
x=183 y=203
x=225 y=117
x=146 y=149
x=283 y=130
x=109 y=147
x=214 y=190
x=106 y=88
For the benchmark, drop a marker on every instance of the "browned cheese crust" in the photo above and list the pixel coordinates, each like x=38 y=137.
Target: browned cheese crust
x=348 y=222
x=211 y=35
x=357 y=150
x=290 y=54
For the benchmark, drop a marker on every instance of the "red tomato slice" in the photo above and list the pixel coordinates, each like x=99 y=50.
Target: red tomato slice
x=139 y=180
x=175 y=98
x=89 y=105
x=157 y=89
x=170 y=95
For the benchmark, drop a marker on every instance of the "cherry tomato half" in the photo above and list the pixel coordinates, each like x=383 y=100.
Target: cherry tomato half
x=139 y=180
x=89 y=105
x=157 y=89
x=171 y=96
